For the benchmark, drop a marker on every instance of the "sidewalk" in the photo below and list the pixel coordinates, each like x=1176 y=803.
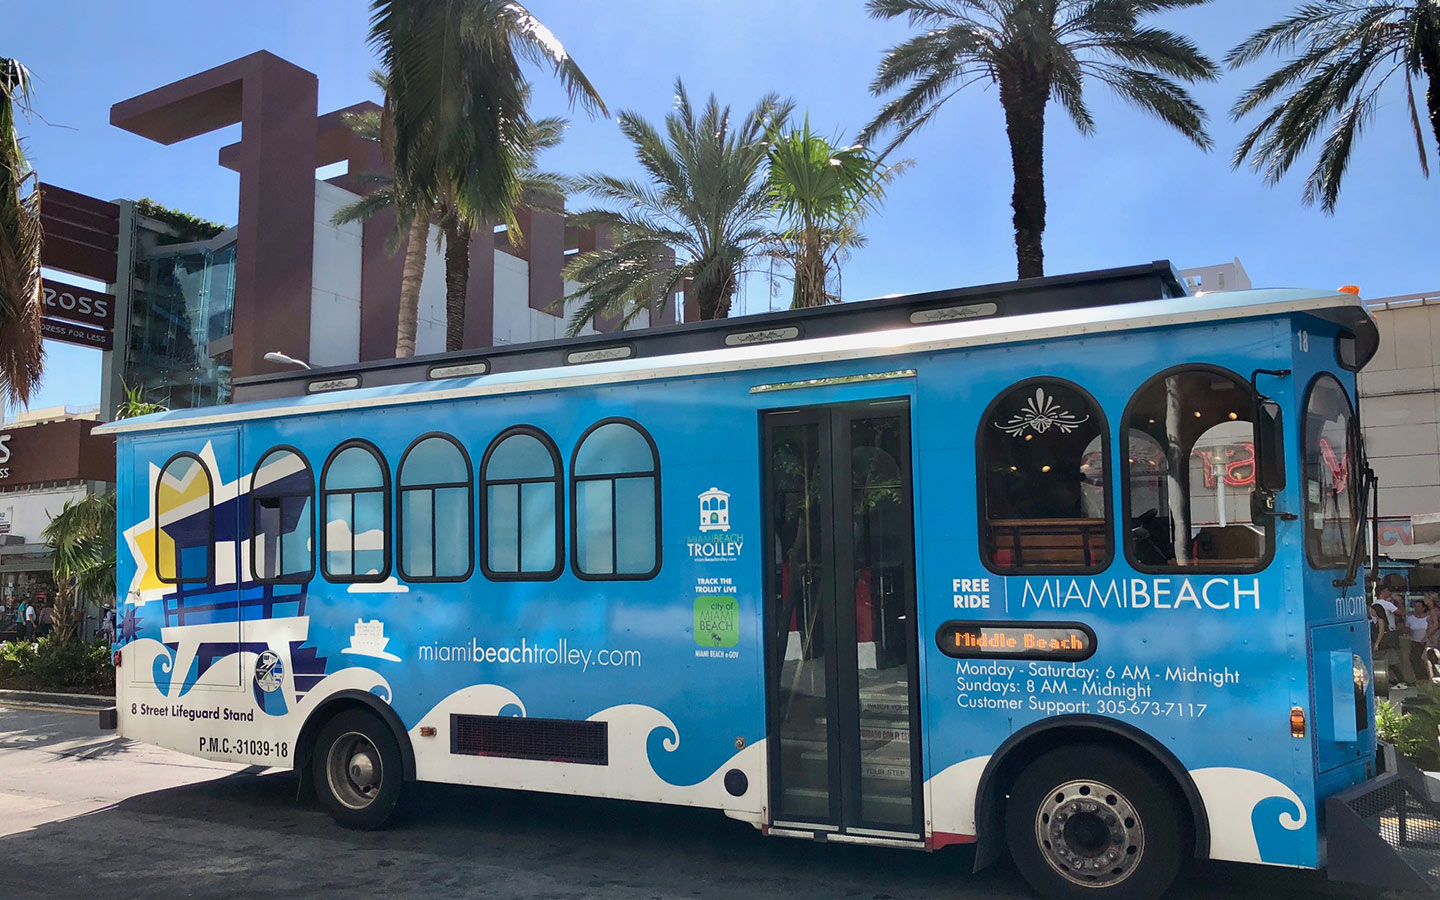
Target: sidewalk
x=48 y=698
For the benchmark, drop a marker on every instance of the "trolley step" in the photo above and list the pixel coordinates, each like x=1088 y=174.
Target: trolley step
x=1385 y=831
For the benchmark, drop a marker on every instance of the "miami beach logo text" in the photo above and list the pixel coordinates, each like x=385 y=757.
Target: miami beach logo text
x=715 y=542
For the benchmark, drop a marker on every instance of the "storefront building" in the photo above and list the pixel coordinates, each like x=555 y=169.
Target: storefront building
x=1400 y=414
x=47 y=458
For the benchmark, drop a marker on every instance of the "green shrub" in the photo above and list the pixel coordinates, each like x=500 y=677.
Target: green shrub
x=51 y=666
x=1415 y=734
x=16 y=659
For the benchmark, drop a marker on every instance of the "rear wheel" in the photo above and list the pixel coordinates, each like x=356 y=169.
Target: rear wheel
x=1090 y=822
x=357 y=770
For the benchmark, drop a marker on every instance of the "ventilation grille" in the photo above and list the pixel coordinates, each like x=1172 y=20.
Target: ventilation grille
x=514 y=737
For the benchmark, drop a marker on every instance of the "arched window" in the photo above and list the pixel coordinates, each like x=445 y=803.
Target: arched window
x=435 y=503
x=615 y=502
x=1189 y=473
x=1330 y=494
x=282 y=518
x=520 y=483
x=353 y=496
x=185 y=522
x=1044 y=504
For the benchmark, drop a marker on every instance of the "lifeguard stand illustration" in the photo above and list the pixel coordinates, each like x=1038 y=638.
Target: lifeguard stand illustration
x=212 y=606
x=715 y=510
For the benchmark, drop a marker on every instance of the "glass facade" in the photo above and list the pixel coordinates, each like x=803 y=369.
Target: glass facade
x=181 y=320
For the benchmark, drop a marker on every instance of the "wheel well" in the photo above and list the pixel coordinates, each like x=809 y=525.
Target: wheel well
x=340 y=702
x=1030 y=743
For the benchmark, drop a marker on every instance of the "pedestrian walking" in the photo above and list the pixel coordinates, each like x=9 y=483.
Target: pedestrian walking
x=1417 y=624
x=30 y=618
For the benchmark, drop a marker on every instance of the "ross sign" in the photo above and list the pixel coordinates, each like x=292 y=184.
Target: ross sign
x=71 y=333
x=77 y=304
x=1064 y=641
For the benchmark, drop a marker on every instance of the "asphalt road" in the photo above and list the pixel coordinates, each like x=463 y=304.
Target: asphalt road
x=86 y=814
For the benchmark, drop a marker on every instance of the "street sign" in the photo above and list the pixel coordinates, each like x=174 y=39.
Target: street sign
x=71 y=333
x=77 y=304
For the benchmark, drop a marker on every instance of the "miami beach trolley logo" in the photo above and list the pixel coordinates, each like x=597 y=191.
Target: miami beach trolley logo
x=715 y=542
x=715 y=510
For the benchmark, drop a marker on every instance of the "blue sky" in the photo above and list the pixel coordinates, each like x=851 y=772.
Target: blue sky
x=1132 y=193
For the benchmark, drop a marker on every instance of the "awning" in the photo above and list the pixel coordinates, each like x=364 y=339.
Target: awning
x=1415 y=553
x=25 y=558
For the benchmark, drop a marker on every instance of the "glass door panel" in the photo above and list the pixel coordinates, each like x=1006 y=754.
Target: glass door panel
x=798 y=617
x=880 y=554
x=840 y=621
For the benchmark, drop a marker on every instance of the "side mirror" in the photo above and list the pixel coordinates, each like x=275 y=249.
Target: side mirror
x=1269 y=446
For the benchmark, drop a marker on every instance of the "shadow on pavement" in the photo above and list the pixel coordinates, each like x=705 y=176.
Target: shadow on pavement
x=245 y=835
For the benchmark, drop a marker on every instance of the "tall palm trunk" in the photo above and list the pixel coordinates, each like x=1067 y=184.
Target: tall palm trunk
x=410 y=277
x=809 y=271
x=457 y=281
x=63 y=614
x=1023 y=95
x=714 y=302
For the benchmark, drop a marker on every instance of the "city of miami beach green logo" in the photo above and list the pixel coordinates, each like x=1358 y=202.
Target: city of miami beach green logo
x=717 y=621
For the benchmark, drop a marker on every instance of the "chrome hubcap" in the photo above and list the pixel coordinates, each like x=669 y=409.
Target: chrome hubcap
x=354 y=770
x=1089 y=833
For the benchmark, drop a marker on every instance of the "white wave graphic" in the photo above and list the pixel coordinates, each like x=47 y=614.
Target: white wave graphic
x=1230 y=797
x=951 y=794
x=629 y=774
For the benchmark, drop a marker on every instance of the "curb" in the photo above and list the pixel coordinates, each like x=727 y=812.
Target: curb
x=80 y=701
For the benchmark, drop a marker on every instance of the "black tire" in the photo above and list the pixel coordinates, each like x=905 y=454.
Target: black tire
x=1093 y=823
x=357 y=769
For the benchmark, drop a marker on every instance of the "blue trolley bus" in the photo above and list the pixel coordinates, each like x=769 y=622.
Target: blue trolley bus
x=1068 y=566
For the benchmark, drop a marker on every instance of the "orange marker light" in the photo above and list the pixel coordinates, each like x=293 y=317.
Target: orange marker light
x=1297 y=722
x=1350 y=289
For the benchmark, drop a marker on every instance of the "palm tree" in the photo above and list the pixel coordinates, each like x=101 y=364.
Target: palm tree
x=821 y=191
x=705 y=193
x=538 y=189
x=81 y=538
x=413 y=217
x=456 y=98
x=21 y=348
x=1036 y=50
x=1347 y=51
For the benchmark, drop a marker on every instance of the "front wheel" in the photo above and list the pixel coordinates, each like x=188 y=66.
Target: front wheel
x=1090 y=822
x=357 y=770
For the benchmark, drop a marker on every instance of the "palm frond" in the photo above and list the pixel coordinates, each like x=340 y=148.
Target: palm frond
x=1159 y=96
x=1345 y=53
x=701 y=194
x=22 y=351
x=1415 y=125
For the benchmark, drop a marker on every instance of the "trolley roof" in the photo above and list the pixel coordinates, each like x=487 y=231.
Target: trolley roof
x=1345 y=310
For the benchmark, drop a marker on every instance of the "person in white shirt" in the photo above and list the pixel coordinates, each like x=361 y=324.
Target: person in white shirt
x=1382 y=597
x=1417 y=626
x=30 y=622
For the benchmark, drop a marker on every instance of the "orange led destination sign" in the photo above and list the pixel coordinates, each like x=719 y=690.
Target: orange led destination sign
x=1065 y=641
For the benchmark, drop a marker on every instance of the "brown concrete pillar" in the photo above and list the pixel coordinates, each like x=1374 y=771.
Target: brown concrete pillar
x=542 y=243
x=480 y=293
x=275 y=102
